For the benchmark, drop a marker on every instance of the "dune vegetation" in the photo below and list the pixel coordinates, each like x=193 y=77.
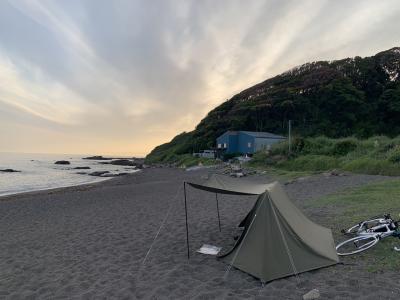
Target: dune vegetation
x=377 y=155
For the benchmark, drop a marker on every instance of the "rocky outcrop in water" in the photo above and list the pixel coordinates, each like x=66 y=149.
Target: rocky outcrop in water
x=62 y=162
x=98 y=173
x=114 y=175
x=97 y=157
x=125 y=162
x=122 y=162
x=104 y=174
x=9 y=171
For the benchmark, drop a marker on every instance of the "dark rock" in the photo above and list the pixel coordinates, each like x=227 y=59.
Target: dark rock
x=81 y=173
x=98 y=173
x=9 y=171
x=109 y=175
x=122 y=162
x=62 y=162
x=125 y=162
x=97 y=157
x=114 y=175
x=81 y=168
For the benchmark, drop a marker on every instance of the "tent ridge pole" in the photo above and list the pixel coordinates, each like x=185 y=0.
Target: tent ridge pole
x=186 y=219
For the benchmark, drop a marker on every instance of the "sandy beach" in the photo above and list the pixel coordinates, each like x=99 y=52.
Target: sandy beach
x=90 y=242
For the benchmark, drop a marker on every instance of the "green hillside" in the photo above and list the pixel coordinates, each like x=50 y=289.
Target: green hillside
x=353 y=96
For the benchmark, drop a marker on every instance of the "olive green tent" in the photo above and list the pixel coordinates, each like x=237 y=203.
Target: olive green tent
x=278 y=240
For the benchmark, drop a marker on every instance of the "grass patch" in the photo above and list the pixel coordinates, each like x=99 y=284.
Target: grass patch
x=377 y=155
x=310 y=162
x=367 y=165
x=354 y=205
x=188 y=160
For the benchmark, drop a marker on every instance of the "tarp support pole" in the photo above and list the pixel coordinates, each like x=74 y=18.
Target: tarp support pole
x=186 y=218
x=219 y=219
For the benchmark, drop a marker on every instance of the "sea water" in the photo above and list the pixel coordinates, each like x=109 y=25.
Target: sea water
x=38 y=172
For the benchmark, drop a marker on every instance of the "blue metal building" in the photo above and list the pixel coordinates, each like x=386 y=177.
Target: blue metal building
x=246 y=142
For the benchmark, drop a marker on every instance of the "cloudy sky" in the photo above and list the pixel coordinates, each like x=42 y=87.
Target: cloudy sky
x=120 y=77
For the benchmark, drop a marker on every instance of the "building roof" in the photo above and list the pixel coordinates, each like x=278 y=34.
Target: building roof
x=263 y=135
x=256 y=134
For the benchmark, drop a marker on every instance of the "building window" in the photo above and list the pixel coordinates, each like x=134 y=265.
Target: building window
x=225 y=145
x=249 y=145
x=219 y=146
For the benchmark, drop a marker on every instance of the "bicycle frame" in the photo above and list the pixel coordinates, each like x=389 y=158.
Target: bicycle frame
x=377 y=230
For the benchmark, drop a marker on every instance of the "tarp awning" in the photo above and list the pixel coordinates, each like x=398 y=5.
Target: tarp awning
x=227 y=185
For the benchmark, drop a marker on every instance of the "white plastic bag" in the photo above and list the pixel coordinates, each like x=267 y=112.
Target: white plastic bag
x=209 y=249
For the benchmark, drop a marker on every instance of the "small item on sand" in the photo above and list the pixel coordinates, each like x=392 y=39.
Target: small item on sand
x=313 y=294
x=237 y=174
x=209 y=249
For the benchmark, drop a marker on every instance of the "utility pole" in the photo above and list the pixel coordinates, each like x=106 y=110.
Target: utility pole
x=290 y=136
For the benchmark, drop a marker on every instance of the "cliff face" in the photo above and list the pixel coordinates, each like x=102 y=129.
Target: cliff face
x=352 y=96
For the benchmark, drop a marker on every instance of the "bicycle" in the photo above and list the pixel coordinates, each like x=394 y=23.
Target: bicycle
x=367 y=234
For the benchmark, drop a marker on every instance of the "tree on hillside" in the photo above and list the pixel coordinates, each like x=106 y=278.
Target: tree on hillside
x=342 y=107
x=389 y=111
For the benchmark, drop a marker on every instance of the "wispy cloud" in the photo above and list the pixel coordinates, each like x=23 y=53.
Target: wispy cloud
x=124 y=76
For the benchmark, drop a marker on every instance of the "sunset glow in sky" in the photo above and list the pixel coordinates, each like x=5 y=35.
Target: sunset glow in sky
x=120 y=77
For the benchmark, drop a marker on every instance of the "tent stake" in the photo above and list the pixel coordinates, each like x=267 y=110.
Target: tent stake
x=186 y=215
x=219 y=219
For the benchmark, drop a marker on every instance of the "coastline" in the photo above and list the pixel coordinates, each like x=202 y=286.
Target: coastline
x=4 y=197
x=39 y=172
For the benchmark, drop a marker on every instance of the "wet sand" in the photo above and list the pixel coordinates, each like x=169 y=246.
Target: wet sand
x=90 y=242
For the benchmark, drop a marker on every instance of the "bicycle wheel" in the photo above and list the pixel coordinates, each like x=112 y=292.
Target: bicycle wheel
x=356 y=245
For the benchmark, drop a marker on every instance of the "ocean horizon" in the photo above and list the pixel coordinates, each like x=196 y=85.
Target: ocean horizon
x=39 y=172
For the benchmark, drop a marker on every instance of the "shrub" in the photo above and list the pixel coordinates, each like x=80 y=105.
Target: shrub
x=318 y=146
x=259 y=159
x=343 y=147
x=394 y=155
x=188 y=160
x=280 y=148
x=263 y=159
x=310 y=163
x=367 y=165
x=298 y=145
